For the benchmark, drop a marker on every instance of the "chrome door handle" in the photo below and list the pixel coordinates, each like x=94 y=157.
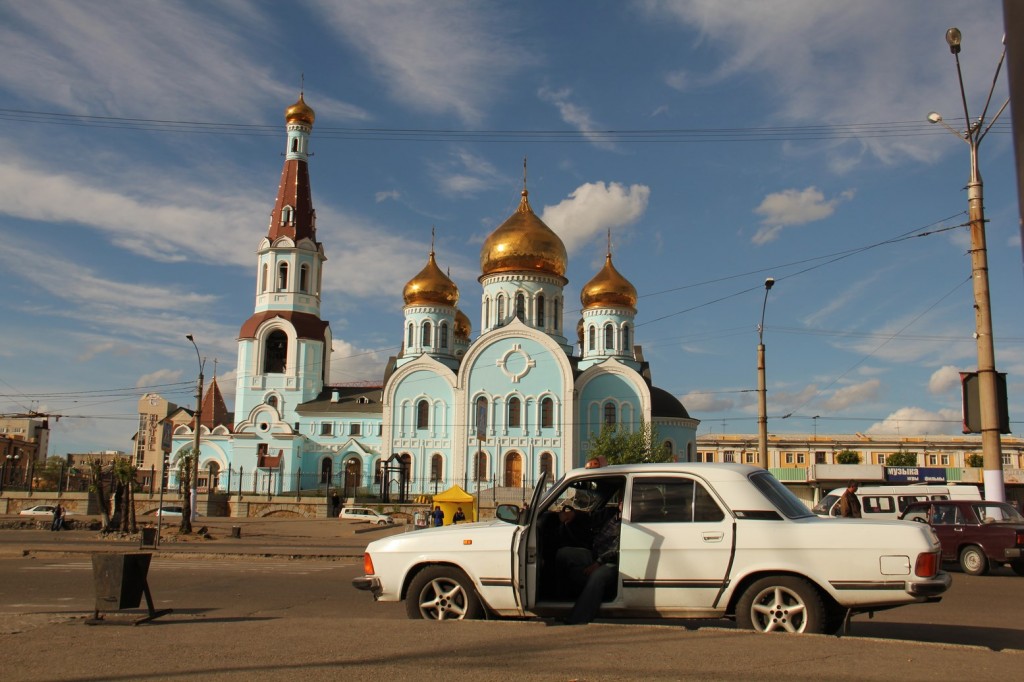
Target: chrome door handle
x=713 y=536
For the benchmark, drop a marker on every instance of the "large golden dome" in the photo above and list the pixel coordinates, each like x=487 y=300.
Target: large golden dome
x=431 y=286
x=300 y=112
x=463 y=327
x=523 y=243
x=608 y=288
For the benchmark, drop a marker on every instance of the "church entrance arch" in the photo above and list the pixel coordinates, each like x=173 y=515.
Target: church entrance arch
x=513 y=470
x=353 y=474
x=326 y=470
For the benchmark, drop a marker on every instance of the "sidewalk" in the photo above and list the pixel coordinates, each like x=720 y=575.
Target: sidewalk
x=269 y=537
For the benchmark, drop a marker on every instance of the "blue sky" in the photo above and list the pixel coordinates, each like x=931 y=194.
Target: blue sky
x=755 y=138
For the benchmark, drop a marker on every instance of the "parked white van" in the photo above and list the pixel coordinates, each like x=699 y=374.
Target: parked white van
x=889 y=501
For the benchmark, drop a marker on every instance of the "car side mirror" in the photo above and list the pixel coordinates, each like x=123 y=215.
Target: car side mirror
x=509 y=513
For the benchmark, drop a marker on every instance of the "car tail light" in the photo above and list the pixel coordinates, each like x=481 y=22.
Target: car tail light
x=1020 y=538
x=367 y=564
x=927 y=565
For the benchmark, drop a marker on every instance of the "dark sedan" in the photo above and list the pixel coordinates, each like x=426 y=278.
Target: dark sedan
x=974 y=533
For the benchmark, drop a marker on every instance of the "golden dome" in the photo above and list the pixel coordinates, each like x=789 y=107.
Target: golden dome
x=463 y=327
x=431 y=286
x=300 y=112
x=523 y=242
x=608 y=288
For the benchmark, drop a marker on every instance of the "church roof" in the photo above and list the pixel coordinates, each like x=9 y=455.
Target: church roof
x=293 y=192
x=307 y=325
x=349 y=399
x=215 y=412
x=664 y=404
x=523 y=243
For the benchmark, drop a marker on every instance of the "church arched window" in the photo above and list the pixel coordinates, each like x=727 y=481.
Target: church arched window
x=264 y=279
x=287 y=215
x=591 y=339
x=540 y=311
x=304 y=278
x=487 y=312
x=422 y=414
x=625 y=338
x=295 y=144
x=282 y=277
x=609 y=413
x=436 y=462
x=501 y=310
x=425 y=339
x=275 y=353
x=442 y=331
x=514 y=413
x=547 y=413
x=521 y=307
x=410 y=337
x=545 y=464
x=556 y=315
x=609 y=337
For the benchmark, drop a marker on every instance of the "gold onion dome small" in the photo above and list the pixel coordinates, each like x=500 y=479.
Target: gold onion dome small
x=608 y=288
x=523 y=243
x=431 y=286
x=463 y=327
x=300 y=112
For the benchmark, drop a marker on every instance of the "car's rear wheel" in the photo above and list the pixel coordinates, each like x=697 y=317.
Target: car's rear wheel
x=442 y=593
x=781 y=604
x=973 y=560
x=1017 y=566
x=382 y=522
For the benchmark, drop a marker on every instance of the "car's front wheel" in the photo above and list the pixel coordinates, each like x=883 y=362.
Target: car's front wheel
x=781 y=604
x=973 y=560
x=382 y=522
x=442 y=593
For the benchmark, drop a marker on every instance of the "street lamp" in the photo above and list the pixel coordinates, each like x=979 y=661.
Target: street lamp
x=762 y=394
x=987 y=379
x=193 y=494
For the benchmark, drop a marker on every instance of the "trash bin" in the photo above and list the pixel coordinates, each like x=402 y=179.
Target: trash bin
x=236 y=531
x=120 y=579
x=148 y=537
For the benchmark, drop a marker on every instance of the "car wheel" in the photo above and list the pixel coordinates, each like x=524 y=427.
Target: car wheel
x=1017 y=566
x=973 y=561
x=442 y=593
x=781 y=604
x=382 y=522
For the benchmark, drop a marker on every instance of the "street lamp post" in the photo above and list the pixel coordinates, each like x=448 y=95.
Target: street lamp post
x=762 y=391
x=192 y=494
x=987 y=379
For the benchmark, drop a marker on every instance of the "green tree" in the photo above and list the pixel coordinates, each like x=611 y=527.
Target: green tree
x=848 y=457
x=49 y=474
x=902 y=459
x=976 y=461
x=125 y=482
x=185 y=456
x=619 y=446
x=96 y=471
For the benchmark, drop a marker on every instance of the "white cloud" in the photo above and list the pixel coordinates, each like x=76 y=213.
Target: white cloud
x=793 y=207
x=696 y=402
x=943 y=380
x=801 y=51
x=593 y=208
x=385 y=195
x=161 y=376
x=678 y=80
x=850 y=396
x=464 y=173
x=574 y=115
x=136 y=58
x=350 y=363
x=436 y=57
x=915 y=421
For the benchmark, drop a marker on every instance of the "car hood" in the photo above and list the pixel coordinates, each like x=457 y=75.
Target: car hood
x=481 y=535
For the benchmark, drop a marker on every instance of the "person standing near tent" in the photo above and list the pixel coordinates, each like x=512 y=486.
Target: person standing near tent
x=438 y=516
x=458 y=516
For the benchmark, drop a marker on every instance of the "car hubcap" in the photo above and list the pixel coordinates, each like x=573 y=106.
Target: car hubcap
x=443 y=600
x=778 y=608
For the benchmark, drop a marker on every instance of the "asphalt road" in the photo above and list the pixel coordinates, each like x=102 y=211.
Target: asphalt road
x=272 y=618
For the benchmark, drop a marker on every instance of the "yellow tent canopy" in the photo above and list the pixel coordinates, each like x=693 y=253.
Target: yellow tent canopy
x=450 y=500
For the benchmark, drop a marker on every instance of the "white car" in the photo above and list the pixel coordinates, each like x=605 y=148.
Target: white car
x=365 y=514
x=169 y=512
x=41 y=510
x=695 y=541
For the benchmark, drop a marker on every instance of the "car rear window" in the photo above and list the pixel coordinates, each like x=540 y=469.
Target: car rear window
x=781 y=498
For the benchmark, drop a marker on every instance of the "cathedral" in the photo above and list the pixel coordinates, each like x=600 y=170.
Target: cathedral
x=521 y=399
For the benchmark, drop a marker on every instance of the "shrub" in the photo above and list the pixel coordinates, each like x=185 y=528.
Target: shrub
x=848 y=457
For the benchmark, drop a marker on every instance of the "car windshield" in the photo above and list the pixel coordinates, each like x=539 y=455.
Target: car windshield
x=780 y=497
x=825 y=504
x=997 y=512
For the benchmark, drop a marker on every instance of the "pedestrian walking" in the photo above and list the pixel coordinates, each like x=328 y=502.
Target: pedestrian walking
x=849 y=504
